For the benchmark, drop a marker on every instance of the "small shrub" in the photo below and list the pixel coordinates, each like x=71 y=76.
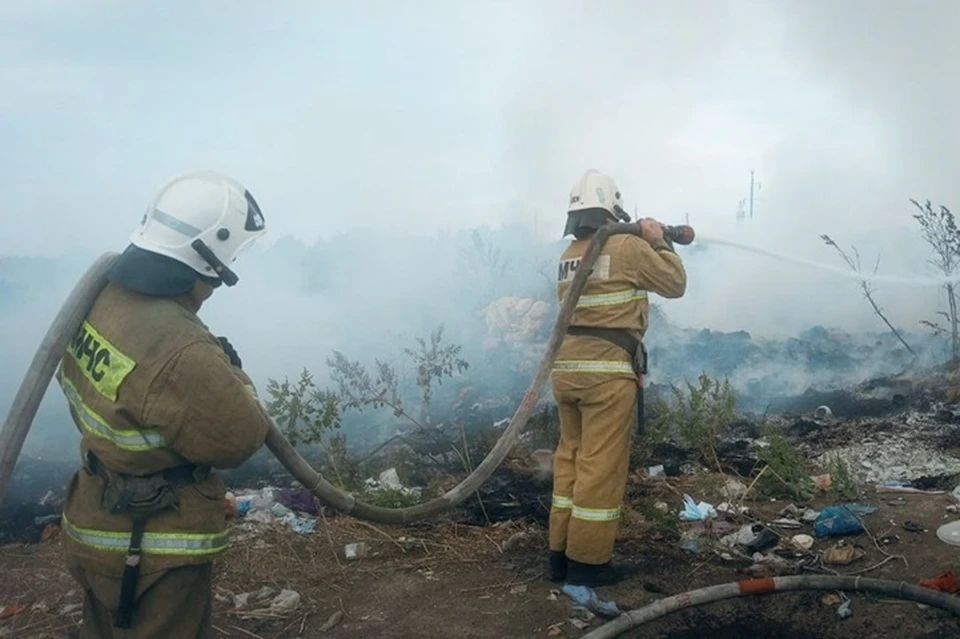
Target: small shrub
x=698 y=416
x=786 y=475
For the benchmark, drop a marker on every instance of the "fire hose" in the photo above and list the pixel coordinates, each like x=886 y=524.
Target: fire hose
x=85 y=292
x=770 y=585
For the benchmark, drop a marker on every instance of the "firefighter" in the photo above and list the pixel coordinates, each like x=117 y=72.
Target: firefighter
x=596 y=377
x=160 y=402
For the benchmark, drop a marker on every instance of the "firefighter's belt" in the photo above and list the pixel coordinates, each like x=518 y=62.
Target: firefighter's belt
x=139 y=497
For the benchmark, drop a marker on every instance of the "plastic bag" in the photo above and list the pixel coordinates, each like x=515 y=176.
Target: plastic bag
x=840 y=520
x=696 y=511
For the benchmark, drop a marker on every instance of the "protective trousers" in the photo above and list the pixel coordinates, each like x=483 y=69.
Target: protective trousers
x=171 y=604
x=590 y=468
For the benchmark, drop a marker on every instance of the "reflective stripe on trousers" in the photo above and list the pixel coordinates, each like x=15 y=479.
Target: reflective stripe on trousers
x=586 y=514
x=610 y=299
x=154 y=543
x=131 y=439
x=592 y=366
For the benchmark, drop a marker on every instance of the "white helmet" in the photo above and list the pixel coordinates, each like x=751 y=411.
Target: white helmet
x=597 y=191
x=202 y=219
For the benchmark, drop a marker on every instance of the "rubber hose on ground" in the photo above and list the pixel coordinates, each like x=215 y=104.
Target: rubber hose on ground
x=78 y=304
x=710 y=594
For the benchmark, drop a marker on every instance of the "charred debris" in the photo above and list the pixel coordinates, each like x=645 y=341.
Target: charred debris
x=718 y=403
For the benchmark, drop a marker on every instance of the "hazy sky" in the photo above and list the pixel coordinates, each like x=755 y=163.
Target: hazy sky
x=428 y=115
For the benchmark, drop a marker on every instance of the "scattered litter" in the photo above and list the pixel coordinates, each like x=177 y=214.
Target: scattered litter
x=727 y=508
x=823 y=482
x=655 y=471
x=947 y=582
x=300 y=525
x=733 y=489
x=790 y=510
x=753 y=537
x=803 y=542
x=911 y=526
x=662 y=506
x=298 y=500
x=578 y=624
x=841 y=520
x=518 y=589
x=428 y=574
x=332 y=622
x=830 y=599
x=890 y=540
x=953 y=508
x=768 y=565
x=844 y=611
x=286 y=601
x=515 y=541
x=555 y=630
x=248 y=599
x=70 y=609
x=356 y=550
x=949 y=533
x=553 y=595
x=586 y=598
x=691 y=545
x=696 y=511
x=842 y=555
x=822 y=412
x=389 y=480
x=786 y=522
x=899 y=457
x=956 y=493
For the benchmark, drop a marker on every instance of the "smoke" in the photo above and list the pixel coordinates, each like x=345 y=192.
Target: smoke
x=413 y=166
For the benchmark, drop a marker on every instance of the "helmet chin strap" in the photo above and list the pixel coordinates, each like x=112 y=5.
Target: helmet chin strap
x=222 y=270
x=621 y=214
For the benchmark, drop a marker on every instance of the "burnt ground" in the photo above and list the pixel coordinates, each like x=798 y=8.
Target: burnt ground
x=442 y=579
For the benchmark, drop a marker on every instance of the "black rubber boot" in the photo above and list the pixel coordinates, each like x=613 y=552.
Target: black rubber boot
x=557 y=566
x=580 y=574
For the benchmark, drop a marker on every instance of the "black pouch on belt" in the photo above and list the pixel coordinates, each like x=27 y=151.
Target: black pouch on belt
x=139 y=497
x=629 y=343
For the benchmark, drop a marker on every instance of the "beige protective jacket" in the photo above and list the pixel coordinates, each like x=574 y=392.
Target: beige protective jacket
x=627 y=269
x=150 y=388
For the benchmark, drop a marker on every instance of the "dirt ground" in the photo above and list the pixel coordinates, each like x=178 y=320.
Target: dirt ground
x=443 y=579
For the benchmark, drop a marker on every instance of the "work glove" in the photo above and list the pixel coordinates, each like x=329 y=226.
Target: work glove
x=230 y=351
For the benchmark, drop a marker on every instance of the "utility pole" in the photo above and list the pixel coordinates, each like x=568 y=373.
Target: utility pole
x=751 y=194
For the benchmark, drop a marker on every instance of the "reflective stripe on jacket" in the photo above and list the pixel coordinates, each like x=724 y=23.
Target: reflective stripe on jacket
x=616 y=297
x=150 y=388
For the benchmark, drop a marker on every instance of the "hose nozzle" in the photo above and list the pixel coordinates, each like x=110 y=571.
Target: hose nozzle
x=681 y=234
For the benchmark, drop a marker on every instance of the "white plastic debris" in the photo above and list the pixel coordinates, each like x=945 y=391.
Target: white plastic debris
x=390 y=479
x=732 y=509
x=786 y=522
x=822 y=412
x=896 y=457
x=733 y=489
x=286 y=601
x=655 y=471
x=356 y=551
x=803 y=542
